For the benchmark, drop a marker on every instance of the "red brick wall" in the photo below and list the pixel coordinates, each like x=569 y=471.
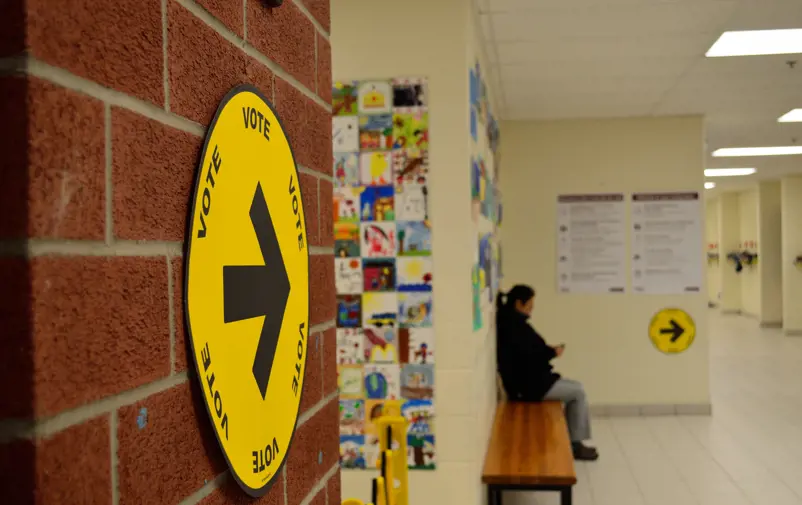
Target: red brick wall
x=104 y=106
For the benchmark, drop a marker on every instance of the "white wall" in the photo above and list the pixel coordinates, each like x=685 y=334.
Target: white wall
x=711 y=237
x=791 y=248
x=608 y=347
x=770 y=253
x=750 y=276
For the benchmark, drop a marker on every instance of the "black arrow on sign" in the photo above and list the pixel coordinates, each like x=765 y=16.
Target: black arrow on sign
x=259 y=290
x=675 y=331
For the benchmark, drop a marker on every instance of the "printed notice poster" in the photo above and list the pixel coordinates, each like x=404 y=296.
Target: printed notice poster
x=591 y=243
x=667 y=243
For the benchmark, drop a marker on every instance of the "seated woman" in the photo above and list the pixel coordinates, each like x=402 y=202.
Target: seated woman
x=524 y=363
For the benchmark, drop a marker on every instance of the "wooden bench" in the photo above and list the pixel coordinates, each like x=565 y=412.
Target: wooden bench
x=529 y=450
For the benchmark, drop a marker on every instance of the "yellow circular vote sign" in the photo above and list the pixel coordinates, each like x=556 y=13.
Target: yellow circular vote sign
x=672 y=330
x=247 y=286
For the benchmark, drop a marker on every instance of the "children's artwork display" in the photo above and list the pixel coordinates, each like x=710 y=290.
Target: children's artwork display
x=383 y=264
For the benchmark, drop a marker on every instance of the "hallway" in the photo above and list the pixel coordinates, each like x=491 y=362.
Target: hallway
x=743 y=455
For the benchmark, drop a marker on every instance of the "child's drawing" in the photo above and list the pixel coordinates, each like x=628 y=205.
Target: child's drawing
x=375 y=97
x=382 y=382
x=346 y=240
x=417 y=382
x=345 y=133
x=379 y=274
x=414 y=238
x=409 y=94
x=379 y=310
x=420 y=345
x=381 y=344
x=411 y=202
x=415 y=310
x=352 y=417
x=419 y=415
x=410 y=166
x=350 y=344
x=375 y=168
x=346 y=204
x=420 y=452
x=374 y=409
x=350 y=382
x=378 y=240
x=411 y=130
x=414 y=274
x=346 y=169
x=349 y=311
x=348 y=276
x=376 y=132
x=351 y=451
x=344 y=99
x=377 y=203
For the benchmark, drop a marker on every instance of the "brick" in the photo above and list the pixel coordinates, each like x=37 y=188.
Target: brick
x=231 y=494
x=182 y=351
x=54 y=171
x=16 y=345
x=329 y=343
x=286 y=36
x=154 y=169
x=326 y=201
x=319 y=498
x=228 y=12
x=203 y=66
x=319 y=436
x=116 y=44
x=309 y=193
x=173 y=454
x=321 y=11
x=313 y=378
x=323 y=68
x=73 y=466
x=100 y=327
x=308 y=126
x=333 y=489
x=12 y=37
x=321 y=288
x=261 y=77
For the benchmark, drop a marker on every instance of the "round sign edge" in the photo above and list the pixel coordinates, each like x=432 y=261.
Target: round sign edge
x=236 y=90
x=672 y=353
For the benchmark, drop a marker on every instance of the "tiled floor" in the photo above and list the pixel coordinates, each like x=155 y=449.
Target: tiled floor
x=748 y=453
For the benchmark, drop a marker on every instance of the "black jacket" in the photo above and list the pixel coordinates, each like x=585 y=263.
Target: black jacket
x=524 y=358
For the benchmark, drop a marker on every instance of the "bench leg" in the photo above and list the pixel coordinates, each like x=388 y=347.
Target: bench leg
x=566 y=496
x=493 y=495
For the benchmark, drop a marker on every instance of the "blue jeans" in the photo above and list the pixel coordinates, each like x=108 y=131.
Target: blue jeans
x=577 y=413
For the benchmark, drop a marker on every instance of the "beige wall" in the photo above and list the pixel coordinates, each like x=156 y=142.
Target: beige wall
x=711 y=237
x=791 y=248
x=729 y=240
x=749 y=276
x=608 y=344
x=770 y=253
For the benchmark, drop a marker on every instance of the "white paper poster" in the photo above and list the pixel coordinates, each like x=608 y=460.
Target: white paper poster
x=667 y=243
x=591 y=243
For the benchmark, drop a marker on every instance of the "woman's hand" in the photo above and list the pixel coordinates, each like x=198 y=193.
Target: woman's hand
x=559 y=350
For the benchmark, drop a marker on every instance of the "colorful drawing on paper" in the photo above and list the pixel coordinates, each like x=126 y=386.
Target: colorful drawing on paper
x=345 y=134
x=379 y=309
x=352 y=452
x=411 y=130
x=409 y=94
x=350 y=346
x=381 y=344
x=377 y=204
x=349 y=311
x=346 y=240
x=375 y=97
x=419 y=415
x=346 y=169
x=420 y=452
x=412 y=202
x=378 y=240
x=349 y=380
x=348 y=276
x=344 y=99
x=375 y=168
x=417 y=382
x=414 y=274
x=414 y=238
x=415 y=310
x=346 y=204
x=410 y=166
x=382 y=381
x=374 y=409
x=419 y=345
x=379 y=274
x=376 y=132
x=352 y=417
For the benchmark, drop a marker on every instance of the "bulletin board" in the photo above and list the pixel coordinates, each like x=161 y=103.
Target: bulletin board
x=383 y=265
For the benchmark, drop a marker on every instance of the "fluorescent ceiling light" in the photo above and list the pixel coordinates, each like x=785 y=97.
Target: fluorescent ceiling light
x=756 y=151
x=728 y=172
x=794 y=116
x=710 y=185
x=757 y=42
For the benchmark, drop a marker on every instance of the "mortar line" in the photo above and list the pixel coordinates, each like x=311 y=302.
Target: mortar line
x=309 y=414
x=284 y=478
x=320 y=485
x=323 y=327
x=171 y=311
x=54 y=247
x=208 y=488
x=321 y=251
x=109 y=176
x=114 y=445
x=165 y=56
x=318 y=27
x=320 y=175
x=11 y=429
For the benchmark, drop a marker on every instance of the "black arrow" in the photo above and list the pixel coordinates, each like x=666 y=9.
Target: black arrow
x=259 y=290
x=675 y=331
